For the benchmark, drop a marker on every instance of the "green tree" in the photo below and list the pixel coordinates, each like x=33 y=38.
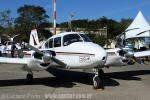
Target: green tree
x=43 y=32
x=114 y=28
x=1 y=30
x=29 y=16
x=98 y=39
x=5 y=19
x=125 y=23
x=6 y=23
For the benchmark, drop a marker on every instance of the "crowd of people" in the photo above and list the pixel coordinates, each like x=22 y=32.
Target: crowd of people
x=4 y=51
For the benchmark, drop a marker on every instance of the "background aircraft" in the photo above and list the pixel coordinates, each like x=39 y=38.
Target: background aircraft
x=124 y=56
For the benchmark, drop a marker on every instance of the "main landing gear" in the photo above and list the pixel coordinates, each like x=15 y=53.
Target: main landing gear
x=29 y=77
x=97 y=82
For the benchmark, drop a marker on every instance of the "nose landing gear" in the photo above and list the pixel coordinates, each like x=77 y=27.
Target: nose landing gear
x=97 y=79
x=29 y=77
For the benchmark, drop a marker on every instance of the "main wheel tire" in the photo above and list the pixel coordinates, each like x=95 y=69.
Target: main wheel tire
x=97 y=82
x=29 y=78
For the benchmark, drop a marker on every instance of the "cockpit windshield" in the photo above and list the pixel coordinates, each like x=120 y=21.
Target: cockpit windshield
x=85 y=38
x=71 y=38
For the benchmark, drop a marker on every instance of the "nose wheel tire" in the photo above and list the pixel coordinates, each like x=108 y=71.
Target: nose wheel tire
x=29 y=78
x=97 y=82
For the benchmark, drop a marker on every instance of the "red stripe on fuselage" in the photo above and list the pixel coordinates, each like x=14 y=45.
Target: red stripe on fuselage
x=74 y=53
x=111 y=53
x=27 y=54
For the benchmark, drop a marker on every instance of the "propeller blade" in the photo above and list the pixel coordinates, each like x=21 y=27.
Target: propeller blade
x=126 y=31
x=59 y=62
x=143 y=32
x=53 y=58
x=123 y=33
x=131 y=29
x=33 y=48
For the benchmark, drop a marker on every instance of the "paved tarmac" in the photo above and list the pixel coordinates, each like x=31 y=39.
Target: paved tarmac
x=120 y=83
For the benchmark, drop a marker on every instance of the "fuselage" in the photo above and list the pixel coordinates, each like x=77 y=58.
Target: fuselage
x=76 y=50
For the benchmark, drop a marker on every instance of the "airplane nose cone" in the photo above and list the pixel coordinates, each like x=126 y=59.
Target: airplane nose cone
x=100 y=56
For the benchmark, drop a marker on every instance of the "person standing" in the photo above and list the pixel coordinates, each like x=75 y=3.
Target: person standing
x=0 y=49
x=3 y=50
x=19 y=51
x=13 y=47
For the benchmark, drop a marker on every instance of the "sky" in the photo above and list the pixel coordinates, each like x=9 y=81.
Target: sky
x=83 y=9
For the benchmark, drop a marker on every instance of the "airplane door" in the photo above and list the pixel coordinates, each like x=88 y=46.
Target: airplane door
x=58 y=48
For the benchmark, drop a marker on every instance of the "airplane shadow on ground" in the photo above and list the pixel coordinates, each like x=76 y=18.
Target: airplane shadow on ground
x=68 y=79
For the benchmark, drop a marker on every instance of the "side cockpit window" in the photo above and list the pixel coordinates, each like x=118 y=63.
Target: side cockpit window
x=85 y=38
x=49 y=44
x=57 y=42
x=71 y=38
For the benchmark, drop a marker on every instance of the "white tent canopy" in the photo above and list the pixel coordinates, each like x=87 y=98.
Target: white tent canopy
x=139 y=25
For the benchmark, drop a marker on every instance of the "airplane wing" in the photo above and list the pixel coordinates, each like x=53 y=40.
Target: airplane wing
x=21 y=61
x=142 y=54
x=27 y=63
x=33 y=63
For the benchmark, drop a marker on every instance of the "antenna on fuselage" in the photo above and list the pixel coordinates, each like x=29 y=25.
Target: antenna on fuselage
x=70 y=20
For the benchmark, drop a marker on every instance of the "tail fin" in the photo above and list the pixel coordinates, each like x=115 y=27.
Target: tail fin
x=34 y=40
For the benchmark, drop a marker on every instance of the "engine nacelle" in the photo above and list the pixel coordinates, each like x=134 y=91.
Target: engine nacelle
x=46 y=56
x=39 y=61
x=34 y=65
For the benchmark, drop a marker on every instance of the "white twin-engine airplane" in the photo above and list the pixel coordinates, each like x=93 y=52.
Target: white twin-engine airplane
x=70 y=50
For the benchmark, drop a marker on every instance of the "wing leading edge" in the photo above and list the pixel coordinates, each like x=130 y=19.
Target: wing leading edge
x=21 y=61
x=142 y=54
